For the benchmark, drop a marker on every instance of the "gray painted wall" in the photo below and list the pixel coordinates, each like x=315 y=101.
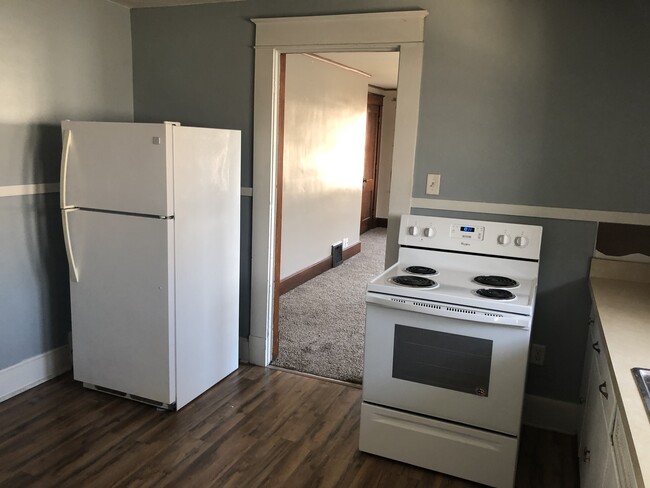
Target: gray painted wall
x=67 y=59
x=527 y=102
x=538 y=103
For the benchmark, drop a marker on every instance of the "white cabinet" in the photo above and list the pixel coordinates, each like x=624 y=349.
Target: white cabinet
x=622 y=457
x=594 y=445
x=603 y=452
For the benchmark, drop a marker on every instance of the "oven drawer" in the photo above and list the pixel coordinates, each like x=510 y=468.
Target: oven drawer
x=472 y=454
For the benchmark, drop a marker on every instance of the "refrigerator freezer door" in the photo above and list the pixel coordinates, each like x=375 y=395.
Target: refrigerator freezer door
x=122 y=314
x=119 y=167
x=207 y=185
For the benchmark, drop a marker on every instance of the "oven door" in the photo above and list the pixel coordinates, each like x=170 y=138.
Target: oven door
x=420 y=358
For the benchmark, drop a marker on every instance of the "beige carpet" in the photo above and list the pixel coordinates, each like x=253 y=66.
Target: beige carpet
x=322 y=321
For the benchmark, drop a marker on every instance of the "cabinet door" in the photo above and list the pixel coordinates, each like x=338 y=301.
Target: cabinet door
x=605 y=385
x=584 y=386
x=594 y=438
x=622 y=455
x=610 y=477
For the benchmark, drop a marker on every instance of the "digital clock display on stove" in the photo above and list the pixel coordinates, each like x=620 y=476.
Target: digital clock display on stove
x=466 y=232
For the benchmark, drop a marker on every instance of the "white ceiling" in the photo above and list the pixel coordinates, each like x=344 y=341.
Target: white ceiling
x=382 y=67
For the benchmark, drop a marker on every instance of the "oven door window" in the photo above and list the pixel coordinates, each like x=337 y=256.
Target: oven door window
x=450 y=361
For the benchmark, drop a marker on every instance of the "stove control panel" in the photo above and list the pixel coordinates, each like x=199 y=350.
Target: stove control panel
x=466 y=232
x=471 y=236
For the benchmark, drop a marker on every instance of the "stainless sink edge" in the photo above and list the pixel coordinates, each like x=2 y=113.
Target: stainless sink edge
x=642 y=379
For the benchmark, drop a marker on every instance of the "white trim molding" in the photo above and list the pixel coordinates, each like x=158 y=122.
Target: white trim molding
x=380 y=27
x=384 y=32
x=550 y=414
x=35 y=189
x=33 y=371
x=533 y=211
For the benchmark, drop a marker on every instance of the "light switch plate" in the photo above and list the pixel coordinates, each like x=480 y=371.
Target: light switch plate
x=433 y=184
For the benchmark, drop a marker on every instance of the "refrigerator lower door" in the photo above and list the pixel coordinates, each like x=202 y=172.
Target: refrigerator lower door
x=122 y=311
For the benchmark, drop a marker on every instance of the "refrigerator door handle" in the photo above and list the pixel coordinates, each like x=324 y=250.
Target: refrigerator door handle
x=74 y=272
x=67 y=135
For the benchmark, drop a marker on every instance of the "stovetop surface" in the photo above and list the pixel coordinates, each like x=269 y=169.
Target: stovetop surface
x=455 y=275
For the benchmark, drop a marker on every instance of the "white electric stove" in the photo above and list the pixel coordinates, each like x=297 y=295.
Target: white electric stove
x=446 y=347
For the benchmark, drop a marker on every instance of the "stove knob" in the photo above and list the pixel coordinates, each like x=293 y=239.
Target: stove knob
x=503 y=239
x=521 y=241
x=413 y=230
x=429 y=232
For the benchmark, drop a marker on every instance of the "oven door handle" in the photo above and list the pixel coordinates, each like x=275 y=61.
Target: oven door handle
x=450 y=311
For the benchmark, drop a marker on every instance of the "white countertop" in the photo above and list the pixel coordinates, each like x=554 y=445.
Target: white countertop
x=621 y=293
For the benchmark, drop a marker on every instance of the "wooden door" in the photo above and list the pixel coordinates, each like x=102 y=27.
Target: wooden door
x=373 y=135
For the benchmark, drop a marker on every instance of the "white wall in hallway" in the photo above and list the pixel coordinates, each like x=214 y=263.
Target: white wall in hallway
x=325 y=124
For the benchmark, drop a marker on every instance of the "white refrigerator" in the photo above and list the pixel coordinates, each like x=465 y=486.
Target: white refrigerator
x=151 y=226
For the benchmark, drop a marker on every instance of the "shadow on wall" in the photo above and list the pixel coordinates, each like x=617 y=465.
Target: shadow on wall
x=44 y=236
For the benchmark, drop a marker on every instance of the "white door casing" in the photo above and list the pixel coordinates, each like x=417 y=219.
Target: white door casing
x=384 y=31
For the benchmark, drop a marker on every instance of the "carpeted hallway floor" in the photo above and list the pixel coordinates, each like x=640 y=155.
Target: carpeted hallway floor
x=322 y=321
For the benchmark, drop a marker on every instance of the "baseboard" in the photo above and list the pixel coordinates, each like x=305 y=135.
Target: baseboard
x=244 y=354
x=257 y=350
x=33 y=371
x=303 y=276
x=550 y=414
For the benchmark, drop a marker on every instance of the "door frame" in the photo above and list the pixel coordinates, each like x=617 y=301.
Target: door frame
x=375 y=179
x=383 y=31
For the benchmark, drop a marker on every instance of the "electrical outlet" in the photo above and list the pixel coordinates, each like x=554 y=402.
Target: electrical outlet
x=537 y=353
x=433 y=184
x=345 y=242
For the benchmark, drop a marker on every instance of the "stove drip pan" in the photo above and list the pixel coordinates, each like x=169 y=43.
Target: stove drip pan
x=413 y=281
x=421 y=270
x=495 y=294
x=496 y=281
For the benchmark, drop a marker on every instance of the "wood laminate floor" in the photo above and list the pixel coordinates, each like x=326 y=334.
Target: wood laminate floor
x=258 y=427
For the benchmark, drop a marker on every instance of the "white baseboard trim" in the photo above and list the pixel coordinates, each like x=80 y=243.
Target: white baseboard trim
x=33 y=371
x=244 y=356
x=550 y=414
x=257 y=350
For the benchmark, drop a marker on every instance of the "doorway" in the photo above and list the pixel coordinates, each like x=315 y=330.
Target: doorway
x=322 y=144
x=388 y=31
